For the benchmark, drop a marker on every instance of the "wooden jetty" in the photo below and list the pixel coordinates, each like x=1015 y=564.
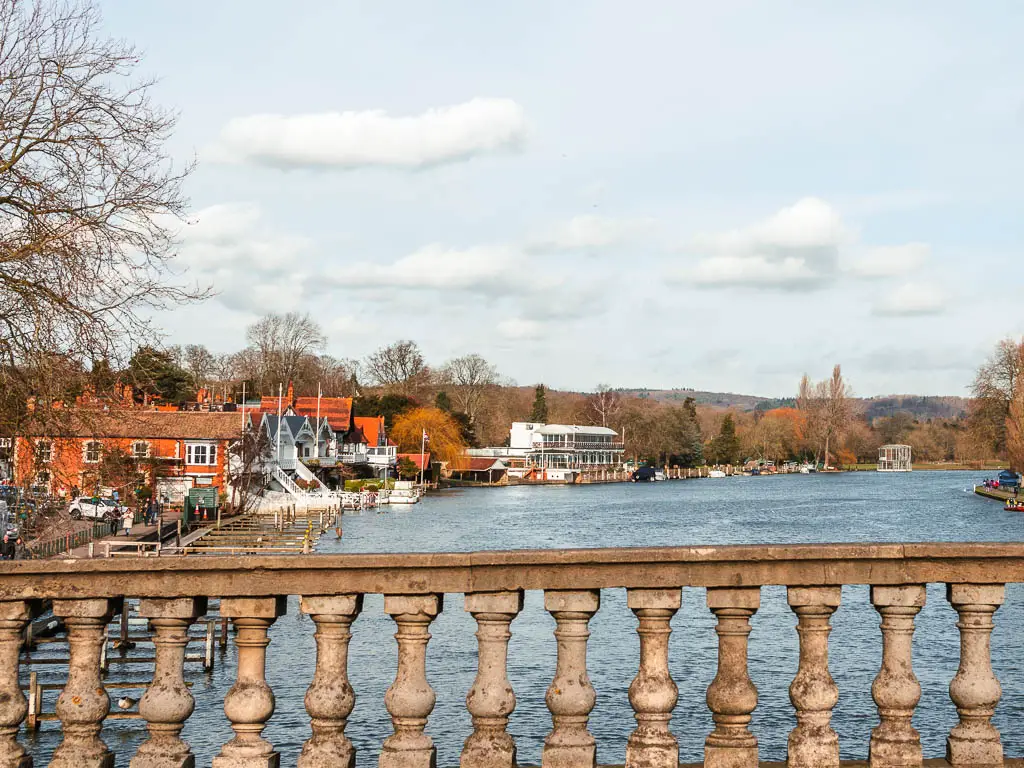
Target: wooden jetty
x=284 y=532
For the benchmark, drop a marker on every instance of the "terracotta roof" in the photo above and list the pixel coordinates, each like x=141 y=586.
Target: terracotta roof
x=268 y=403
x=170 y=425
x=415 y=459
x=336 y=410
x=366 y=429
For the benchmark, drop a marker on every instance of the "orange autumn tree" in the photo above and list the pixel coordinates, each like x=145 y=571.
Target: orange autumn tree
x=445 y=438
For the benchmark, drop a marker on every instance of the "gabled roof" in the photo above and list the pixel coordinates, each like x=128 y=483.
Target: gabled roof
x=132 y=423
x=290 y=425
x=336 y=410
x=368 y=430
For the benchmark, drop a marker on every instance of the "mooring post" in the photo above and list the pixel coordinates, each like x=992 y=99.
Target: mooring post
x=124 y=627
x=224 y=633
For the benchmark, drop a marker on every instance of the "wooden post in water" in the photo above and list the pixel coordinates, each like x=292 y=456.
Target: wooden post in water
x=124 y=627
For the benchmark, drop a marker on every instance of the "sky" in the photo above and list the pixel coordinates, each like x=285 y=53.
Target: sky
x=718 y=196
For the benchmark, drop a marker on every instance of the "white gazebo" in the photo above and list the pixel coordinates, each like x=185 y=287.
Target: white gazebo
x=894 y=458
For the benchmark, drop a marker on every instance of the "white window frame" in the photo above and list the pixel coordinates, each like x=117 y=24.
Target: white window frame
x=85 y=451
x=209 y=451
x=135 y=449
x=48 y=456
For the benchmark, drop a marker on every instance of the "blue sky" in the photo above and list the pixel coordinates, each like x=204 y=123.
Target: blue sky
x=711 y=195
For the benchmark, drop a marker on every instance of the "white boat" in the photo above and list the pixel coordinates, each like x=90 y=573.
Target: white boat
x=404 y=492
x=658 y=475
x=716 y=473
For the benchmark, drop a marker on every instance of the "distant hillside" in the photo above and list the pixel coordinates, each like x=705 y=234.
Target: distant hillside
x=918 y=406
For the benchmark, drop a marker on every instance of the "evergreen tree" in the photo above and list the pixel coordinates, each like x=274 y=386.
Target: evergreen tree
x=683 y=443
x=154 y=372
x=443 y=402
x=725 y=447
x=539 y=414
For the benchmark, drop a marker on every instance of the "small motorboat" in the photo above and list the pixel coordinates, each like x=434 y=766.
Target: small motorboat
x=716 y=473
x=1012 y=505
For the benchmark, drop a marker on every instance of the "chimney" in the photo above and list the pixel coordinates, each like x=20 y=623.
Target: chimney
x=291 y=394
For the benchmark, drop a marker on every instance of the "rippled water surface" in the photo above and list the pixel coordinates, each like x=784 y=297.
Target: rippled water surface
x=923 y=506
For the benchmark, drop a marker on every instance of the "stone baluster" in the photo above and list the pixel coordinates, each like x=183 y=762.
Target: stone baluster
x=250 y=702
x=813 y=743
x=330 y=698
x=974 y=741
x=167 y=703
x=732 y=696
x=410 y=699
x=84 y=703
x=894 y=741
x=13 y=706
x=653 y=693
x=491 y=700
x=570 y=697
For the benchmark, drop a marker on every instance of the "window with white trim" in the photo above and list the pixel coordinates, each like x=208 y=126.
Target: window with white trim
x=140 y=449
x=203 y=454
x=43 y=478
x=91 y=452
x=44 y=451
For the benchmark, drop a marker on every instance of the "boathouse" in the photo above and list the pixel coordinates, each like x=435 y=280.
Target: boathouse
x=894 y=458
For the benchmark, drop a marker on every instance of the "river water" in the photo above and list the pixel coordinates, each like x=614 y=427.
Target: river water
x=856 y=507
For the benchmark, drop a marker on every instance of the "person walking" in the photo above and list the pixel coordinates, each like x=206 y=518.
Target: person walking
x=7 y=549
x=128 y=519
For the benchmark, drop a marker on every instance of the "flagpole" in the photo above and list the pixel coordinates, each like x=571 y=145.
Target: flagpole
x=319 y=391
x=243 y=406
x=279 y=386
x=423 y=451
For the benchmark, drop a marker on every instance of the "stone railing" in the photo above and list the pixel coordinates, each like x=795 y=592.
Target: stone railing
x=253 y=591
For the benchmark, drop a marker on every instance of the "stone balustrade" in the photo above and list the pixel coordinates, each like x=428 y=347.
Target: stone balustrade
x=253 y=592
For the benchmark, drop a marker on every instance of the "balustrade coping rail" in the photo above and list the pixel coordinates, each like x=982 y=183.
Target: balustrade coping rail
x=502 y=570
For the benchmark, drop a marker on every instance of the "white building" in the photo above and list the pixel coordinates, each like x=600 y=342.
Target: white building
x=556 y=451
x=894 y=458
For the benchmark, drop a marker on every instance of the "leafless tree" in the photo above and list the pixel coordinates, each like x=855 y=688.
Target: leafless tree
x=280 y=344
x=605 y=403
x=398 y=367
x=89 y=199
x=470 y=377
x=997 y=412
x=200 y=363
x=828 y=408
x=996 y=385
x=246 y=461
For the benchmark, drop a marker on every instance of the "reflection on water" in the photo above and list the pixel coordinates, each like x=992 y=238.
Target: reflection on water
x=923 y=506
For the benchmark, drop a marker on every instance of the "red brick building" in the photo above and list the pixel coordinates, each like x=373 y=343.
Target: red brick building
x=176 y=450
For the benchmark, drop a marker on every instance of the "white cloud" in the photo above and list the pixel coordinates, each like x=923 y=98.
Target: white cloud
x=348 y=140
x=590 y=231
x=795 y=248
x=912 y=299
x=890 y=260
x=791 y=272
x=520 y=328
x=494 y=269
x=250 y=266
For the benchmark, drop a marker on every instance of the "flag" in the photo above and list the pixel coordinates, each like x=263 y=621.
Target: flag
x=426 y=437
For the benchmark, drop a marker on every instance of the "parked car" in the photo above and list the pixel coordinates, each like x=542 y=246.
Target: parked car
x=93 y=508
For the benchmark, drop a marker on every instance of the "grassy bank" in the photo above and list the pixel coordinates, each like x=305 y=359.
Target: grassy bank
x=976 y=466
